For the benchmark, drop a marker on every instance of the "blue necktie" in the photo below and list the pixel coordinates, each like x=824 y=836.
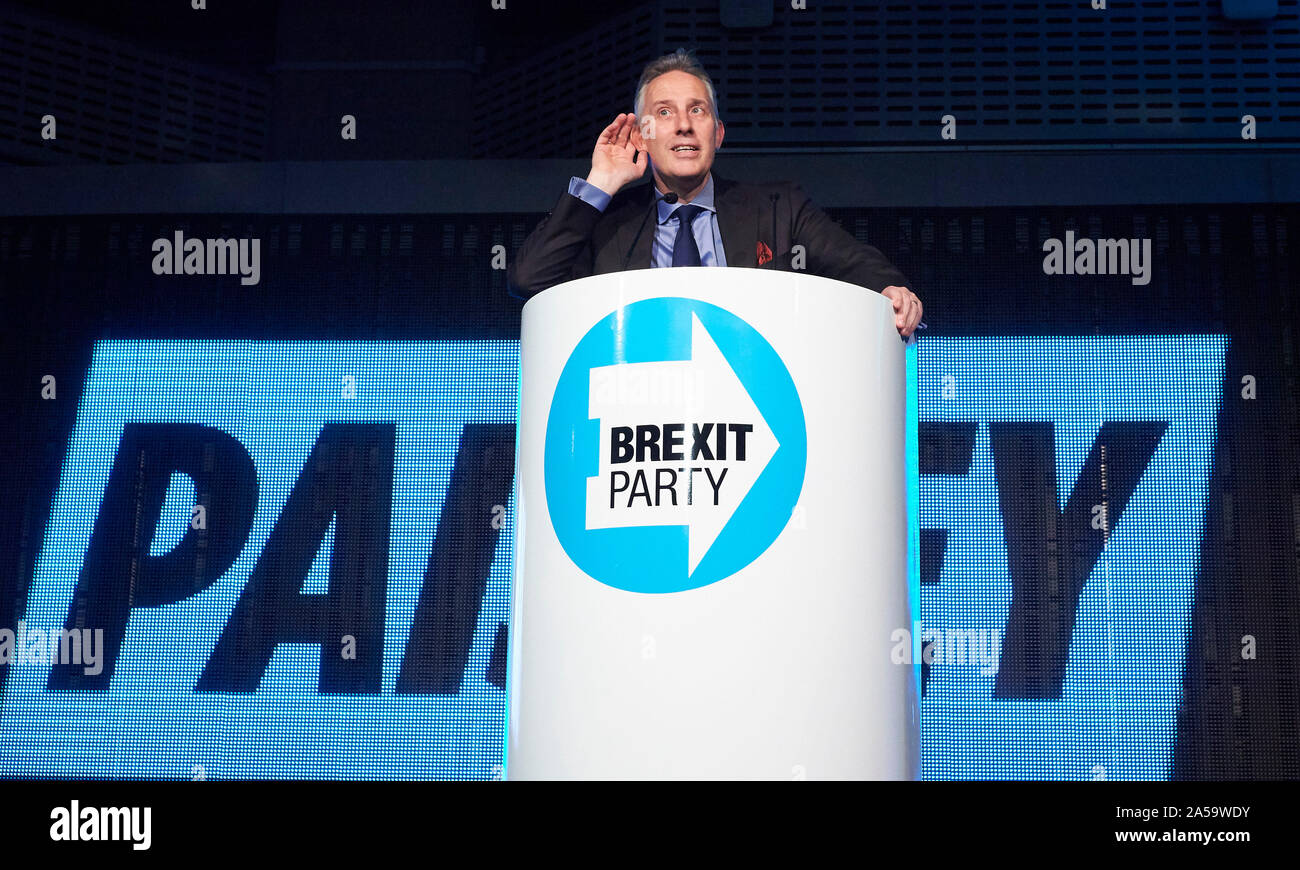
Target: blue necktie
x=685 y=251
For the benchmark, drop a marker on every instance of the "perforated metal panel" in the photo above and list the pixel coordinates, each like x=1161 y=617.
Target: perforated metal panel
x=115 y=103
x=552 y=105
x=854 y=74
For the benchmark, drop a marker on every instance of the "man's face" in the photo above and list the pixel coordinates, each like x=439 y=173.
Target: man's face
x=685 y=133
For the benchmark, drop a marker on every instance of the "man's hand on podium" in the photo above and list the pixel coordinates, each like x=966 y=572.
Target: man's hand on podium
x=907 y=308
x=613 y=161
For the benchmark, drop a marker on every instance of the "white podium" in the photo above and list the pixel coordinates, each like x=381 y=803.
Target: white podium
x=715 y=554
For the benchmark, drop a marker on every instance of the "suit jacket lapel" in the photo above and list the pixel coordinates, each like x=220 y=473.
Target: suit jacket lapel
x=738 y=221
x=641 y=254
x=638 y=214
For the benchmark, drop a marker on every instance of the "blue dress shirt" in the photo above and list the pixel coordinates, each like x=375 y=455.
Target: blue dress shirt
x=708 y=237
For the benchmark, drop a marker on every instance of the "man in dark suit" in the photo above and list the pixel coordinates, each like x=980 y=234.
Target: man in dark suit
x=700 y=219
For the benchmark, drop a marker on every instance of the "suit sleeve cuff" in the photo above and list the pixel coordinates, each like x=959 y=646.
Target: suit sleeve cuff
x=589 y=193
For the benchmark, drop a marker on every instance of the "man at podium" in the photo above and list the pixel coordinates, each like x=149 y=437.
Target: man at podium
x=699 y=219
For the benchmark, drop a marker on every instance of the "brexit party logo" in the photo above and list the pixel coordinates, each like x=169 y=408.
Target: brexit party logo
x=276 y=537
x=675 y=447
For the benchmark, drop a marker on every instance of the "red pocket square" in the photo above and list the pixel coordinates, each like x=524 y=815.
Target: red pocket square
x=764 y=254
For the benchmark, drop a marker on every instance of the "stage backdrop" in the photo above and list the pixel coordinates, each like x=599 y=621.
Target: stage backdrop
x=278 y=514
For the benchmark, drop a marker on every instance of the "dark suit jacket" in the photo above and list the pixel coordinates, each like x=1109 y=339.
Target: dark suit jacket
x=575 y=240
